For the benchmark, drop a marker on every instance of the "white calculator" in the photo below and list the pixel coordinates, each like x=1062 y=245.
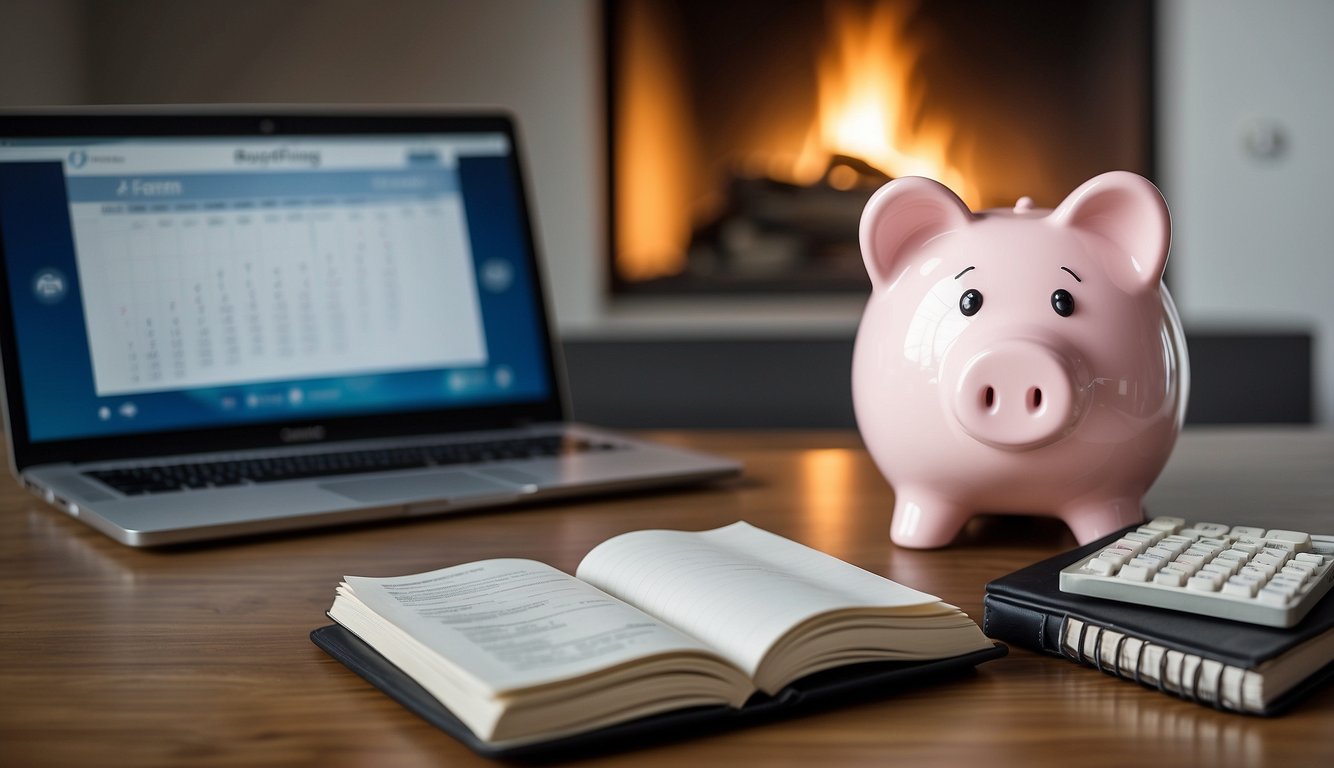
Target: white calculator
x=1244 y=573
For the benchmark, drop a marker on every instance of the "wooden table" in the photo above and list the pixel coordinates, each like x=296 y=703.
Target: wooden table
x=199 y=656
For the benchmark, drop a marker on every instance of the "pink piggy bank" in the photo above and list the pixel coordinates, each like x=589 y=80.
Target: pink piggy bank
x=1018 y=361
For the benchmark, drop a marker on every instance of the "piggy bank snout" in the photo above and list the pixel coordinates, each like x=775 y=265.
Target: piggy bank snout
x=1016 y=395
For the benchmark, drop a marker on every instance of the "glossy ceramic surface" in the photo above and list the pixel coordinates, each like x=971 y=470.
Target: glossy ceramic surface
x=1018 y=360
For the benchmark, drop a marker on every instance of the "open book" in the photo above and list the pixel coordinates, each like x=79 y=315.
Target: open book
x=656 y=621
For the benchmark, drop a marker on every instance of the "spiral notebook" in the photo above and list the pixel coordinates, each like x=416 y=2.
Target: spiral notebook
x=1229 y=665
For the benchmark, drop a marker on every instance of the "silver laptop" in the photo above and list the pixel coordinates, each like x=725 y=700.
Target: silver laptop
x=218 y=324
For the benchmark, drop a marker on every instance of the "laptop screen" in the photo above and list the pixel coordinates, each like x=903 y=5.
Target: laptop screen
x=169 y=283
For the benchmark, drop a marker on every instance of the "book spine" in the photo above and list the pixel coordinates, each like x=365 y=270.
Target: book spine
x=1022 y=625
x=1185 y=675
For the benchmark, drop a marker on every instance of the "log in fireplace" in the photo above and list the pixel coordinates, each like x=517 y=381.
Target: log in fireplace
x=745 y=136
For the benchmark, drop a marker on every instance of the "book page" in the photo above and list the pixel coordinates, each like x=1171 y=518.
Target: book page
x=511 y=623
x=738 y=588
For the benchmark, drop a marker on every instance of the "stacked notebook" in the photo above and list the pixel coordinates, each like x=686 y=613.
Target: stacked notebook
x=1226 y=664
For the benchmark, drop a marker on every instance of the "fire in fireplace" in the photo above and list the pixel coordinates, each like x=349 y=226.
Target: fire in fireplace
x=746 y=136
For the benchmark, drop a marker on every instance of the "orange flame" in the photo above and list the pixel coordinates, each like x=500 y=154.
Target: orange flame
x=870 y=105
x=653 y=153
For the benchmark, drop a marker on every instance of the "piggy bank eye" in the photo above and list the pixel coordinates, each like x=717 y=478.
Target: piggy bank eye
x=970 y=302
x=1063 y=302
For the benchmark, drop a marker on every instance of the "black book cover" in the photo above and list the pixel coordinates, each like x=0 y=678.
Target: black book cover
x=823 y=690
x=1028 y=608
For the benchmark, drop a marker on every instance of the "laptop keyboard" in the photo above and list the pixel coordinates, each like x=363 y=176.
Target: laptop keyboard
x=179 y=477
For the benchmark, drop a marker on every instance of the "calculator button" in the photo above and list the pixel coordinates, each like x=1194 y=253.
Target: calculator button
x=1258 y=571
x=1322 y=544
x=1249 y=546
x=1300 y=541
x=1127 y=543
x=1210 y=529
x=1204 y=582
x=1223 y=567
x=1177 y=541
x=1273 y=596
x=1285 y=585
x=1168 y=524
x=1101 y=566
x=1117 y=557
x=1138 y=570
x=1282 y=554
x=1268 y=558
x=1146 y=539
x=1190 y=563
x=1240 y=585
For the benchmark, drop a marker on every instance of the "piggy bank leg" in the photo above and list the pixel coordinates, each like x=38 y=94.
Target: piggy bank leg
x=924 y=520
x=1094 y=519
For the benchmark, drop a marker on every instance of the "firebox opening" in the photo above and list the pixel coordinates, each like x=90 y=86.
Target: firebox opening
x=745 y=137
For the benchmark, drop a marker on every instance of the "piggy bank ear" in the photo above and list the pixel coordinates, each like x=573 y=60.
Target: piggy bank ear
x=900 y=217
x=1129 y=212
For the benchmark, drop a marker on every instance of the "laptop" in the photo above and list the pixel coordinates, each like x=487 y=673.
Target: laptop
x=218 y=324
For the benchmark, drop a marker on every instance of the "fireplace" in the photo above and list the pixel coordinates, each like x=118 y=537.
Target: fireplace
x=745 y=136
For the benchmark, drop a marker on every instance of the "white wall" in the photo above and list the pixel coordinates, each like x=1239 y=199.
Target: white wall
x=1254 y=231
x=41 y=52
x=541 y=60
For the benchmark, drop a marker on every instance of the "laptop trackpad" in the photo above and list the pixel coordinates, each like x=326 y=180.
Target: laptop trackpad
x=431 y=485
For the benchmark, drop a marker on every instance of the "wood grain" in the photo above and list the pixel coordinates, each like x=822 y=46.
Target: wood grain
x=199 y=655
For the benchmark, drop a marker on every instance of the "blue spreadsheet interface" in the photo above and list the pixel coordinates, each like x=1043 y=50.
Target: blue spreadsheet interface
x=180 y=282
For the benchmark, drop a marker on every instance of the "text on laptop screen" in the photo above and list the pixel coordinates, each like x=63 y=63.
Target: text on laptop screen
x=162 y=284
